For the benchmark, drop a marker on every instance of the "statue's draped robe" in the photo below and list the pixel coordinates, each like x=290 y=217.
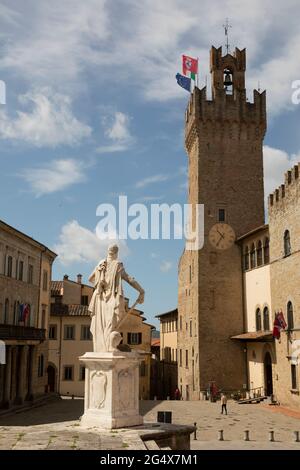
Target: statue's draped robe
x=107 y=306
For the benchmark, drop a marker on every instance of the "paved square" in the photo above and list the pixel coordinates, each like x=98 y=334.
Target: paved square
x=56 y=426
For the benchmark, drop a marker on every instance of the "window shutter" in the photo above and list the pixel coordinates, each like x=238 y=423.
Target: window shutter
x=140 y=338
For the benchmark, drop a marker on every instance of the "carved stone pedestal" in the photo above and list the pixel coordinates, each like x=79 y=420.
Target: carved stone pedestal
x=111 y=397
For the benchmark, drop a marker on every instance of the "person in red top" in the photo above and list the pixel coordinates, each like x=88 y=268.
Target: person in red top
x=177 y=394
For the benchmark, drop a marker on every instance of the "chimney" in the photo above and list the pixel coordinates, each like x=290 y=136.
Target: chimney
x=79 y=278
x=66 y=277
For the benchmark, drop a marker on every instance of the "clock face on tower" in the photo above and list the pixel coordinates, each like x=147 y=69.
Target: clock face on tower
x=221 y=236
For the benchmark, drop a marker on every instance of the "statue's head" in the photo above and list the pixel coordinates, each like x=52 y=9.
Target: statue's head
x=113 y=251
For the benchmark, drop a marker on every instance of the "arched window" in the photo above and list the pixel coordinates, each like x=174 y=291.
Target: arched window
x=266 y=251
x=287 y=243
x=290 y=316
x=252 y=257
x=9 y=266
x=246 y=259
x=259 y=254
x=228 y=81
x=258 y=319
x=6 y=311
x=266 y=319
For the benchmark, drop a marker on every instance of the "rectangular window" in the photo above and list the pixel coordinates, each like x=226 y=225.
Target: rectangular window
x=9 y=266
x=85 y=333
x=180 y=322
x=30 y=274
x=45 y=280
x=221 y=215
x=21 y=270
x=52 y=332
x=82 y=373
x=41 y=365
x=190 y=270
x=186 y=358
x=180 y=357
x=294 y=376
x=143 y=369
x=43 y=325
x=68 y=372
x=69 y=332
x=84 y=300
x=134 y=338
x=191 y=328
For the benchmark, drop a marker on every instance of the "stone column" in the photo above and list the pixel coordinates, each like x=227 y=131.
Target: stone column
x=13 y=373
x=7 y=378
x=21 y=374
x=29 y=395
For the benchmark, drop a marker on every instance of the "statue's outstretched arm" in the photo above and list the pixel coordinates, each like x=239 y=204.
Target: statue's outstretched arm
x=133 y=283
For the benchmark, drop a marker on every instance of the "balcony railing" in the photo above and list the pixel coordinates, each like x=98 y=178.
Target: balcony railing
x=59 y=309
x=21 y=332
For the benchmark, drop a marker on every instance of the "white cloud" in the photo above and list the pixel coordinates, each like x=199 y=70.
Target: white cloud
x=116 y=129
x=276 y=163
x=49 y=123
x=166 y=266
x=60 y=42
x=152 y=180
x=55 y=176
x=78 y=244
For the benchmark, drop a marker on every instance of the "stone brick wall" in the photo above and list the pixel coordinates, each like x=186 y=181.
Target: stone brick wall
x=284 y=214
x=223 y=139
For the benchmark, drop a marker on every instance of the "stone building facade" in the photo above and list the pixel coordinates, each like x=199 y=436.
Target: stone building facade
x=168 y=364
x=223 y=139
x=70 y=338
x=284 y=227
x=25 y=275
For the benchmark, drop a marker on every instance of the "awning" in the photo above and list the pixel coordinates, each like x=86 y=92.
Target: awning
x=255 y=336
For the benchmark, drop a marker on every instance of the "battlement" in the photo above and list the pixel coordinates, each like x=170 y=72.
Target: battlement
x=291 y=180
x=236 y=116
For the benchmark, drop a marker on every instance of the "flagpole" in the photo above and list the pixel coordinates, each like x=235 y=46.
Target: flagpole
x=197 y=72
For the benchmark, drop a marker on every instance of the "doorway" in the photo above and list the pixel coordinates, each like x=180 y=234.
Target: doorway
x=268 y=374
x=51 y=378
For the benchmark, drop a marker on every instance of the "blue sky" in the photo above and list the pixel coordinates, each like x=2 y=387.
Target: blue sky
x=93 y=111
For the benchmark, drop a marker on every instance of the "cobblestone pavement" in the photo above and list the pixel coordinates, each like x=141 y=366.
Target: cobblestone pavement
x=259 y=419
x=56 y=426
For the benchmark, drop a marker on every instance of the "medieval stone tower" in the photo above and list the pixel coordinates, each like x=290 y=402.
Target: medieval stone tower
x=223 y=139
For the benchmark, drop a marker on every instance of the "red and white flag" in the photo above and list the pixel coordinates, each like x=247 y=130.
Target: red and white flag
x=189 y=65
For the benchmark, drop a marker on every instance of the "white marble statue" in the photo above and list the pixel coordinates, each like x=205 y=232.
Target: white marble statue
x=107 y=306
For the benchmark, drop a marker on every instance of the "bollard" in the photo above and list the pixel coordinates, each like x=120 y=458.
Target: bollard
x=72 y=397
x=195 y=432
x=246 y=435
x=220 y=435
x=271 y=436
x=296 y=436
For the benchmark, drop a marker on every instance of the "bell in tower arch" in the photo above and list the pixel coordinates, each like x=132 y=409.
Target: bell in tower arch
x=227 y=78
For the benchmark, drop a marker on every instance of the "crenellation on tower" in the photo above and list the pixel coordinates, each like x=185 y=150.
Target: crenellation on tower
x=286 y=190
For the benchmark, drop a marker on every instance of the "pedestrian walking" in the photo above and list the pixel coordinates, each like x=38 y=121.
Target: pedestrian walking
x=224 y=403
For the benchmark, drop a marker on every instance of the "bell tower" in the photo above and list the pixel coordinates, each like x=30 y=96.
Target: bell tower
x=224 y=141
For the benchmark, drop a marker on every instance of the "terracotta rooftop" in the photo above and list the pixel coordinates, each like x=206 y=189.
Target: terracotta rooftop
x=56 y=287
x=155 y=342
x=174 y=311
x=255 y=336
x=78 y=310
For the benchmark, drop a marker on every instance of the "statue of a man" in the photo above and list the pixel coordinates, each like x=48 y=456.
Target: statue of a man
x=107 y=306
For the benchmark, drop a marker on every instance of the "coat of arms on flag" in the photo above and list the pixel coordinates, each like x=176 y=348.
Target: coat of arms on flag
x=189 y=65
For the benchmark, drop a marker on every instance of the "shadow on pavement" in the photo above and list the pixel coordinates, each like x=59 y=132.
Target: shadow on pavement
x=54 y=412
